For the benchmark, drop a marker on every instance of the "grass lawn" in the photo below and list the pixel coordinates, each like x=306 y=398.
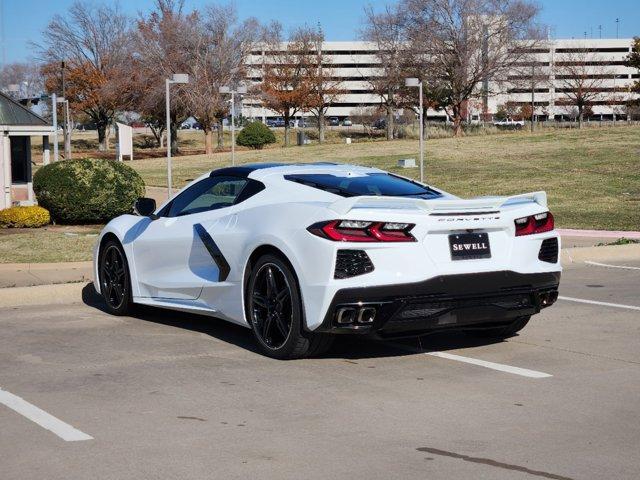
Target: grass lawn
x=49 y=244
x=592 y=176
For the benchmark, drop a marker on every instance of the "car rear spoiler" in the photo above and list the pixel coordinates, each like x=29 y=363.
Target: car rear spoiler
x=447 y=205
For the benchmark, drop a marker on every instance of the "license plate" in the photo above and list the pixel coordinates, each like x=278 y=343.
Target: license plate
x=469 y=246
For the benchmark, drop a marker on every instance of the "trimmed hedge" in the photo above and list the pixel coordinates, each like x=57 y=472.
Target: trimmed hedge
x=255 y=135
x=24 y=217
x=87 y=190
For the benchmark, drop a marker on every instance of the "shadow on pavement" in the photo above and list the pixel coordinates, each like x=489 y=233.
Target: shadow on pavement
x=345 y=346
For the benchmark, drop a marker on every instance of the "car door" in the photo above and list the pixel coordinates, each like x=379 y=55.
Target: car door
x=173 y=255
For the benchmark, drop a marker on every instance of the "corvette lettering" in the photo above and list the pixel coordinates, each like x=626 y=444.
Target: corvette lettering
x=467 y=219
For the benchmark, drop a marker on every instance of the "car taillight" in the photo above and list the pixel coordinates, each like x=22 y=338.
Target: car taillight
x=363 y=231
x=542 y=222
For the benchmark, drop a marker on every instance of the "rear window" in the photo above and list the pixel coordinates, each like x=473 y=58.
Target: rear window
x=378 y=184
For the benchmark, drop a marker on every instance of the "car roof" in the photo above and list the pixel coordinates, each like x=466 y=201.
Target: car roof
x=261 y=170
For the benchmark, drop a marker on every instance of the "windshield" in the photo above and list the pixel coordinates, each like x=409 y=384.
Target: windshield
x=378 y=184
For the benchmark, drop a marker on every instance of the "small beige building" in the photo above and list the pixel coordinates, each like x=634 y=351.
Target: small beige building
x=18 y=125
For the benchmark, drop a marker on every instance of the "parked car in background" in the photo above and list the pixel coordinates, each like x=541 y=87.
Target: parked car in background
x=275 y=122
x=380 y=124
x=334 y=121
x=347 y=122
x=509 y=124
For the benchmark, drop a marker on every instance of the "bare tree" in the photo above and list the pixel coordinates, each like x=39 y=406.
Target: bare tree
x=325 y=88
x=27 y=76
x=162 y=48
x=633 y=61
x=385 y=31
x=472 y=45
x=93 y=41
x=364 y=115
x=581 y=81
x=286 y=85
x=435 y=94
x=218 y=53
x=531 y=75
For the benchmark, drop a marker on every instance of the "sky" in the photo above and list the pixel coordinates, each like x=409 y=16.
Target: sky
x=22 y=21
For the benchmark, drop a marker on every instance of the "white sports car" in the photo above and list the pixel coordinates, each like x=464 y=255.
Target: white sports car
x=299 y=253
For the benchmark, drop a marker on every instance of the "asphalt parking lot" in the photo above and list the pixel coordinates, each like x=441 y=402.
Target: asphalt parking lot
x=167 y=395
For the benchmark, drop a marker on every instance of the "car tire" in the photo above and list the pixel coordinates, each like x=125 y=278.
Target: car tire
x=274 y=311
x=506 y=331
x=115 y=281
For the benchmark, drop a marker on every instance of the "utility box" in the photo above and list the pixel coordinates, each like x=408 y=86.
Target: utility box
x=407 y=163
x=347 y=140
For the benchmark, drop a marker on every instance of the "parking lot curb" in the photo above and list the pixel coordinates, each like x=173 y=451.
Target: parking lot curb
x=604 y=253
x=31 y=274
x=42 y=295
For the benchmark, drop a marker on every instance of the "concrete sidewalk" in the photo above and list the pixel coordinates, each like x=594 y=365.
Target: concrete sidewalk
x=572 y=238
x=30 y=274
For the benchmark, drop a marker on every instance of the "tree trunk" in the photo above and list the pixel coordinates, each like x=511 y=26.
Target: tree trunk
x=286 y=130
x=389 y=122
x=174 y=138
x=108 y=136
x=425 y=125
x=457 y=121
x=580 y=115
x=208 y=140
x=321 y=126
x=220 y=134
x=157 y=135
x=162 y=137
x=102 y=137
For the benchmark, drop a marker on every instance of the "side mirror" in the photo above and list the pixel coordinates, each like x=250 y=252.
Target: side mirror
x=144 y=207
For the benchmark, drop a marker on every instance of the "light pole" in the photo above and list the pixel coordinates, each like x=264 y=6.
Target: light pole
x=55 y=100
x=240 y=89
x=414 y=82
x=67 y=123
x=176 y=78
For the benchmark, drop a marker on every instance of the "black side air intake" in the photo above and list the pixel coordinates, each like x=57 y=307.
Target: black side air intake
x=549 y=250
x=351 y=263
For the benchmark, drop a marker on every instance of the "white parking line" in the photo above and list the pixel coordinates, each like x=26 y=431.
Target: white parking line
x=589 y=262
x=42 y=418
x=594 y=302
x=524 y=372
x=492 y=365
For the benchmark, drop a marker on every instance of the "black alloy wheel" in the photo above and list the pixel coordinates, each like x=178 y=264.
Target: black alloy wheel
x=271 y=309
x=115 y=285
x=274 y=311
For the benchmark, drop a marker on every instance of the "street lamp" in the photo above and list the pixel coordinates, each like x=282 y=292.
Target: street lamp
x=176 y=78
x=414 y=82
x=228 y=90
